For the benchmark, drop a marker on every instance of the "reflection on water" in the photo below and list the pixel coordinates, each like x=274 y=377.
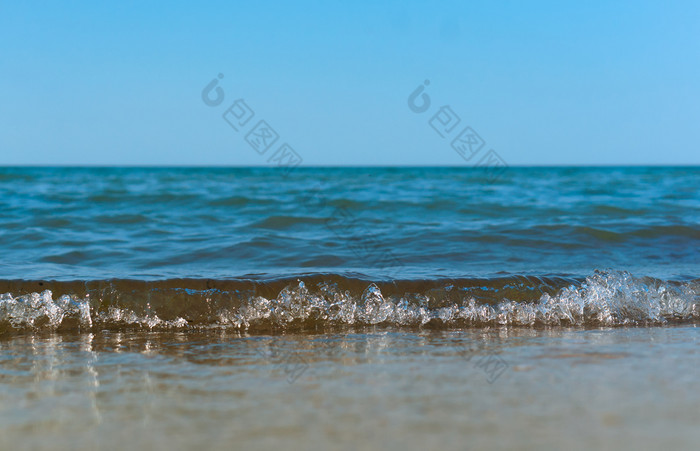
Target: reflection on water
x=363 y=389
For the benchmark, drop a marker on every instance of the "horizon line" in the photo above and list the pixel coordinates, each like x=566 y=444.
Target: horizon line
x=334 y=166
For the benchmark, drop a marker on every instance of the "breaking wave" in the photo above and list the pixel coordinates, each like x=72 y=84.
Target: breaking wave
x=606 y=298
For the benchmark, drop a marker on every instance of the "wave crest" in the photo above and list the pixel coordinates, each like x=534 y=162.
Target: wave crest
x=606 y=298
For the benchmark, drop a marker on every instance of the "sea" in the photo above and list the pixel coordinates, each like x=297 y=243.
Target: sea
x=349 y=308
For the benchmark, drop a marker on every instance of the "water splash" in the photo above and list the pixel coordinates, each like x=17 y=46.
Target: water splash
x=606 y=298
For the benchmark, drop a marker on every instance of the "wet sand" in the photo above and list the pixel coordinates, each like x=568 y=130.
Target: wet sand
x=371 y=388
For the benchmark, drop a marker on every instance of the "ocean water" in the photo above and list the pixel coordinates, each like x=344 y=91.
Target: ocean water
x=349 y=308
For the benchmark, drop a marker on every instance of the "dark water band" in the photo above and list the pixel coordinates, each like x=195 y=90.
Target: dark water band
x=321 y=300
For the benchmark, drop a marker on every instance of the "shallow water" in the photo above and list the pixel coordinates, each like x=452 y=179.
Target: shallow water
x=631 y=388
x=354 y=308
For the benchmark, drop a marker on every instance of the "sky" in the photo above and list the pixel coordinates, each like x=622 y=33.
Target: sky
x=538 y=82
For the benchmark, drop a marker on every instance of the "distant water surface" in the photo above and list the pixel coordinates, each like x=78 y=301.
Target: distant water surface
x=86 y=223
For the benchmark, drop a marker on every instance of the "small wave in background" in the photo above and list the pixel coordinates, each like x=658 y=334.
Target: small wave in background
x=385 y=223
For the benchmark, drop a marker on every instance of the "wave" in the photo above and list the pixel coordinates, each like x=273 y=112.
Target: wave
x=606 y=298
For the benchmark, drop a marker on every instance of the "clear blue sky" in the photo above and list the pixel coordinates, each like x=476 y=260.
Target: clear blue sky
x=542 y=82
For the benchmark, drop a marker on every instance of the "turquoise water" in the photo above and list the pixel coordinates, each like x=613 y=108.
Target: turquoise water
x=349 y=308
x=404 y=223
